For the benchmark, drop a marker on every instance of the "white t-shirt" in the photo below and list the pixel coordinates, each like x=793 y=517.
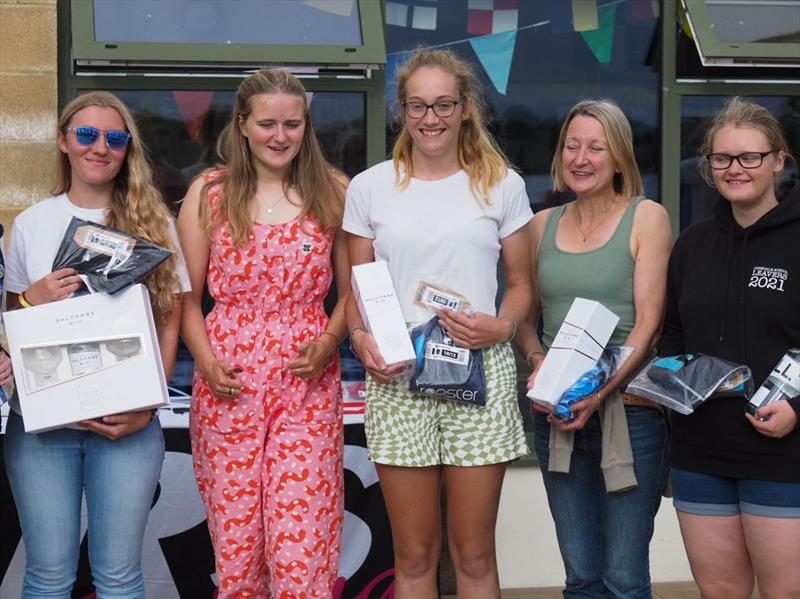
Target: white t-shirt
x=436 y=231
x=36 y=236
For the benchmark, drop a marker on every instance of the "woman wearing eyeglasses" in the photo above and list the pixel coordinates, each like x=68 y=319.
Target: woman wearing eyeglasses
x=734 y=293
x=446 y=210
x=115 y=462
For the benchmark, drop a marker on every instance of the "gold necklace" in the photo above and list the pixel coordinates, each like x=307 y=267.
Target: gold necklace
x=269 y=207
x=577 y=218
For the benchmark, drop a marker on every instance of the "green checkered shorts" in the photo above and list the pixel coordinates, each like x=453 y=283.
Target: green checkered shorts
x=409 y=429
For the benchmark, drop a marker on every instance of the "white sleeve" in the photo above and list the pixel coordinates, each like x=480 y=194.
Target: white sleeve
x=356 y=218
x=516 y=206
x=180 y=263
x=16 y=280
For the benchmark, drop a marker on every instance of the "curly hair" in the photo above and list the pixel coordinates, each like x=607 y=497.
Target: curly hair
x=478 y=152
x=136 y=204
x=310 y=174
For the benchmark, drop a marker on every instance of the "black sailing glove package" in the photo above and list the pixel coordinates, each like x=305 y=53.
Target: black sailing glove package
x=445 y=370
x=109 y=260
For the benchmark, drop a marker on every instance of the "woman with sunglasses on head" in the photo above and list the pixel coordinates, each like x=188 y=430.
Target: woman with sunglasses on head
x=262 y=230
x=603 y=471
x=103 y=177
x=734 y=293
x=446 y=209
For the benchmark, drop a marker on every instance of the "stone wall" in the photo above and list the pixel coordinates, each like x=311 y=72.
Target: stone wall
x=28 y=104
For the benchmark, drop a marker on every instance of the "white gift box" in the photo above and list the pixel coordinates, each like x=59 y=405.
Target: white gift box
x=380 y=310
x=575 y=349
x=86 y=357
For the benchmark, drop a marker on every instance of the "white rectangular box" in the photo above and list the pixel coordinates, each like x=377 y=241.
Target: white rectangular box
x=575 y=349
x=86 y=357
x=380 y=310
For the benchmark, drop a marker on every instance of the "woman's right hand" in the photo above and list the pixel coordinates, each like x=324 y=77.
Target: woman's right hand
x=367 y=351
x=58 y=285
x=535 y=360
x=223 y=378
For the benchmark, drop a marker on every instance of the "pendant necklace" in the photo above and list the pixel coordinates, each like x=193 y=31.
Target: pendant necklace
x=269 y=207
x=577 y=217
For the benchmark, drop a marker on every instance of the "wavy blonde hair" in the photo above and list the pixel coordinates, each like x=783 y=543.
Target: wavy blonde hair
x=742 y=113
x=478 y=152
x=310 y=174
x=628 y=181
x=136 y=204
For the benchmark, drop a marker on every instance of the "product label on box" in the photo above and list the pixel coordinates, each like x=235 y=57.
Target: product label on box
x=446 y=353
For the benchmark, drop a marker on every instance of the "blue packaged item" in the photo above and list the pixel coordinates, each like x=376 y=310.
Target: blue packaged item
x=590 y=381
x=444 y=370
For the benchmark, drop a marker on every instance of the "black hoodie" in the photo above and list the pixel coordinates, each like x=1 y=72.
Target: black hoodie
x=735 y=293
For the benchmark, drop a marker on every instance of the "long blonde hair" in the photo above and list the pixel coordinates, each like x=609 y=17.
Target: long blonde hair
x=321 y=193
x=742 y=113
x=478 y=152
x=628 y=181
x=136 y=204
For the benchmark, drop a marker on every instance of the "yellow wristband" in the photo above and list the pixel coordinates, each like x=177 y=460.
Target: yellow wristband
x=23 y=301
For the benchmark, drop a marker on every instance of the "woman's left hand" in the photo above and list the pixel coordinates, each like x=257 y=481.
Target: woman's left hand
x=477 y=330
x=312 y=359
x=781 y=419
x=583 y=410
x=117 y=426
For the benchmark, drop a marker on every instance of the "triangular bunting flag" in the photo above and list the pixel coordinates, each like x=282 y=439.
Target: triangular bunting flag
x=495 y=53
x=601 y=40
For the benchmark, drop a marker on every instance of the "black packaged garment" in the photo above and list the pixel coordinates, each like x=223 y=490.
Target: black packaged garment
x=444 y=370
x=683 y=382
x=107 y=259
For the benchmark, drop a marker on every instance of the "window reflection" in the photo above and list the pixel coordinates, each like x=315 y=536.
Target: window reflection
x=552 y=67
x=181 y=128
x=276 y=22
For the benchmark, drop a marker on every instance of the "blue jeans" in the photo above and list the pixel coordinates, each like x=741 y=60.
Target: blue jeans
x=604 y=537
x=49 y=473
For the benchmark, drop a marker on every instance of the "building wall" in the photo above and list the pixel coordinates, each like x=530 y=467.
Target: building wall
x=28 y=103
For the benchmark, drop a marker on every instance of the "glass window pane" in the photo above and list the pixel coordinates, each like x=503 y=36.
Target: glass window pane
x=181 y=128
x=276 y=22
x=697 y=197
x=764 y=21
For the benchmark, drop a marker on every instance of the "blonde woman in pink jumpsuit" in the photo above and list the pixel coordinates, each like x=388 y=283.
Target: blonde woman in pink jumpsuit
x=266 y=422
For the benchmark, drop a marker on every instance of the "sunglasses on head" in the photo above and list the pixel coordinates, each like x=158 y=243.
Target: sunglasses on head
x=86 y=136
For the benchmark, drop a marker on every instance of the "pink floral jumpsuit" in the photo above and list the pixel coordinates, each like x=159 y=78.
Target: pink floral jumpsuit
x=268 y=462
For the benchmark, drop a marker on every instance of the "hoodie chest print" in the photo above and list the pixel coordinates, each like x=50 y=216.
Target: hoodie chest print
x=766 y=277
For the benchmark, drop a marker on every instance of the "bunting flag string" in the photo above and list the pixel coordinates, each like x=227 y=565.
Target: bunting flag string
x=496 y=24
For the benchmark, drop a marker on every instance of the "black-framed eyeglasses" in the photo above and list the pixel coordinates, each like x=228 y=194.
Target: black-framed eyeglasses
x=441 y=108
x=86 y=136
x=720 y=162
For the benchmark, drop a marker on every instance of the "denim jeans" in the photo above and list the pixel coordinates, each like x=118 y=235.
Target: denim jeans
x=604 y=537
x=50 y=472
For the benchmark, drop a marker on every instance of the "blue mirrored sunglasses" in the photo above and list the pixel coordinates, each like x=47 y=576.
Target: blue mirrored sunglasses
x=86 y=136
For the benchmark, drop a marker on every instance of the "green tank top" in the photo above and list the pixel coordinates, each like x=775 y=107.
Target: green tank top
x=604 y=275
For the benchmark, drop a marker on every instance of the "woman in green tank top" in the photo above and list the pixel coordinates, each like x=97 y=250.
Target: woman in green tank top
x=603 y=471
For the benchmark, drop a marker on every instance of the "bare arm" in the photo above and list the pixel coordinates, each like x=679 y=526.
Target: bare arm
x=527 y=340
x=651 y=245
x=220 y=375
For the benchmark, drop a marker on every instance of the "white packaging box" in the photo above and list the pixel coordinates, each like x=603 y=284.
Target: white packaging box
x=575 y=349
x=86 y=357
x=380 y=310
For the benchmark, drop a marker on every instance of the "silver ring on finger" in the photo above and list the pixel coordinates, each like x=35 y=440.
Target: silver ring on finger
x=230 y=391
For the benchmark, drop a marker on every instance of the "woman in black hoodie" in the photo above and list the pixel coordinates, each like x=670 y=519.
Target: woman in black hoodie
x=734 y=293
